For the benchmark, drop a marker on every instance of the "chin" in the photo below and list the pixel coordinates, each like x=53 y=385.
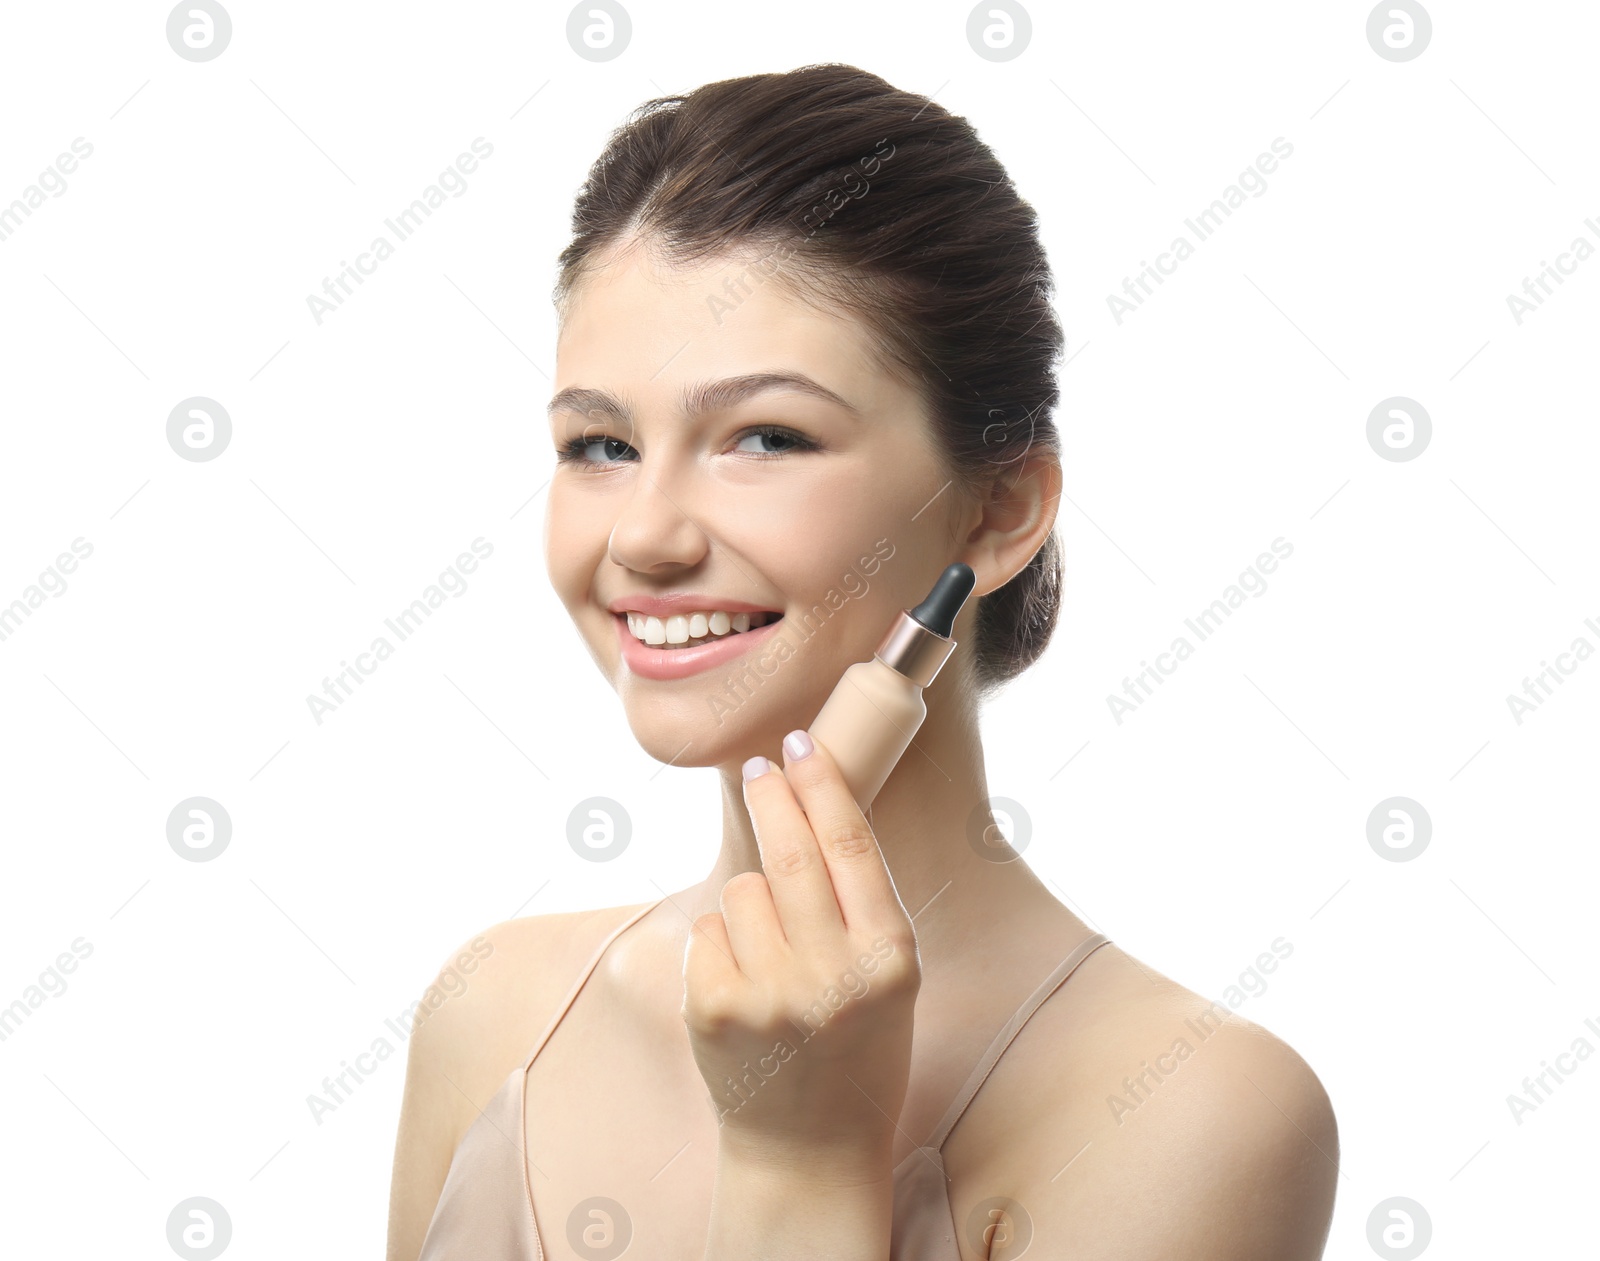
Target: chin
x=694 y=738
x=705 y=728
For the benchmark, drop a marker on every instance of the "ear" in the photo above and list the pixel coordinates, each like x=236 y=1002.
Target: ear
x=1014 y=518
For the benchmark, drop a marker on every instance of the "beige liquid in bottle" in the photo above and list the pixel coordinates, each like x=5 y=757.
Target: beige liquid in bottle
x=877 y=706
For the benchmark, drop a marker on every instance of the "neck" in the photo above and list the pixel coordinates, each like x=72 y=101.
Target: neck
x=930 y=818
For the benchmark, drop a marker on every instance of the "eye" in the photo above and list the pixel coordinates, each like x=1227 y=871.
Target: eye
x=796 y=441
x=575 y=452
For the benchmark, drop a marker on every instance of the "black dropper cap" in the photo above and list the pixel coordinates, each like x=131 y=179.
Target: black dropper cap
x=938 y=612
x=918 y=641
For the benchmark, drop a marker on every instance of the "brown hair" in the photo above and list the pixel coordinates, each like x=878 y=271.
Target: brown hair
x=942 y=261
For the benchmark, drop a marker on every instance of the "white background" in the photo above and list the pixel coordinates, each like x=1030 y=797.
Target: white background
x=369 y=451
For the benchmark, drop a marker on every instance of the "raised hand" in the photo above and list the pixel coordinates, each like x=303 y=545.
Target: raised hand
x=799 y=995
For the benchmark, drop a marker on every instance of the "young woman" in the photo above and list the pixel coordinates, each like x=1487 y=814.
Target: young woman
x=806 y=361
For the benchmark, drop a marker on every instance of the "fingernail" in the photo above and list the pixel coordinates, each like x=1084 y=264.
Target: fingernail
x=797 y=745
x=757 y=765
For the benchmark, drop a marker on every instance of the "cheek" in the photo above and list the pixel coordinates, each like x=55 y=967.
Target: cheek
x=570 y=543
x=837 y=569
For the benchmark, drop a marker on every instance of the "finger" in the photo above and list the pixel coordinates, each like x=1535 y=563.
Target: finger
x=802 y=891
x=864 y=890
x=752 y=923
x=710 y=977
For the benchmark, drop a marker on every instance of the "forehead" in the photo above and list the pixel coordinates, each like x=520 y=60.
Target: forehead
x=643 y=327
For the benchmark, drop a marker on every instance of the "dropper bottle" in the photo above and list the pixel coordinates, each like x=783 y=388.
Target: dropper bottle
x=877 y=705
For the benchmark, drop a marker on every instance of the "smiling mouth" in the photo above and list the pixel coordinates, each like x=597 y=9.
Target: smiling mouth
x=757 y=620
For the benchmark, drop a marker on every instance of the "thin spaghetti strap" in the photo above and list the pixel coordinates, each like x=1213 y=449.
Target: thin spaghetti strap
x=583 y=977
x=1012 y=1027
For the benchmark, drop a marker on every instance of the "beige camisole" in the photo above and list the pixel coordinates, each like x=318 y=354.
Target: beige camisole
x=485 y=1210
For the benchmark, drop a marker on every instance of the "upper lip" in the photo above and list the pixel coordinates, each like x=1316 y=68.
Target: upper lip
x=684 y=603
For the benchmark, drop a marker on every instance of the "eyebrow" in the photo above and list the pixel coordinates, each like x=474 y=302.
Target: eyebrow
x=703 y=397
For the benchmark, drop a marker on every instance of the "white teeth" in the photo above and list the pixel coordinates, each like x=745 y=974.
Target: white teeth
x=681 y=628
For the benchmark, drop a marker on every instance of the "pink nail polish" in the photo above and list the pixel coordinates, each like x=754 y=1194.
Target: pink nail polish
x=797 y=745
x=757 y=765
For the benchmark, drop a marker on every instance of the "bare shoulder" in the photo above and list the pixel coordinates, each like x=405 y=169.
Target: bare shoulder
x=485 y=1000
x=1173 y=1126
x=474 y=1023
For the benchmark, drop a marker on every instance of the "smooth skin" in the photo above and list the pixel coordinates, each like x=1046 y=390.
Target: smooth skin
x=1231 y=1157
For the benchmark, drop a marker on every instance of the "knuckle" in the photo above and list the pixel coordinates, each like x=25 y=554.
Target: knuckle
x=785 y=860
x=743 y=884
x=850 y=838
x=707 y=1018
x=710 y=1012
x=906 y=974
x=703 y=930
x=901 y=968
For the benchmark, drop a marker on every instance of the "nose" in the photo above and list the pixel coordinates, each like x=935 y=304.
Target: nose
x=655 y=530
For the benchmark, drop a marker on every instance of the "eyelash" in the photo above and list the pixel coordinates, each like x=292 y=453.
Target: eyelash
x=572 y=453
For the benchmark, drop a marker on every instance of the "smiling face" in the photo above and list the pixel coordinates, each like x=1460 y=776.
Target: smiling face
x=766 y=461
